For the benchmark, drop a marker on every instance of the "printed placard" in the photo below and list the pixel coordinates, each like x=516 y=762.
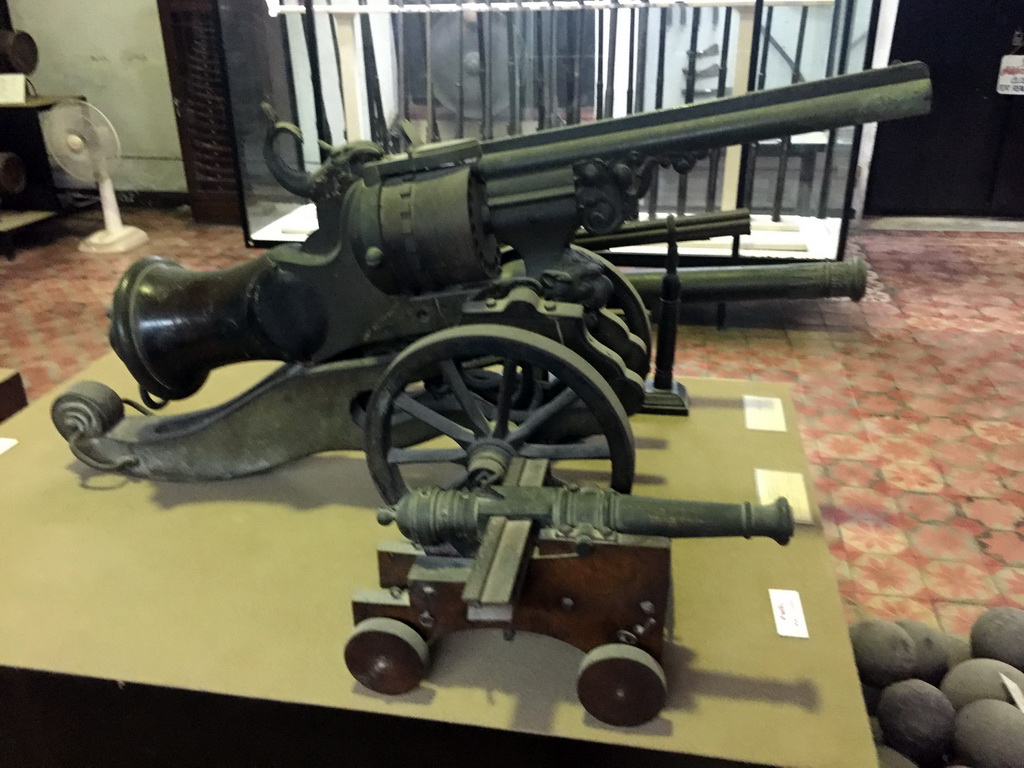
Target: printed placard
x=788 y=613
x=764 y=414
x=1011 y=76
x=772 y=483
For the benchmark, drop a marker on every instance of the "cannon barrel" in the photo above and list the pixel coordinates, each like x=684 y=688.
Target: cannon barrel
x=884 y=94
x=431 y=517
x=833 y=279
x=697 y=227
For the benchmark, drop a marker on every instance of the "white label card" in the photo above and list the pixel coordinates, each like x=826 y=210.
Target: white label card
x=772 y=483
x=6 y=443
x=1014 y=690
x=12 y=89
x=764 y=413
x=1011 y=76
x=788 y=613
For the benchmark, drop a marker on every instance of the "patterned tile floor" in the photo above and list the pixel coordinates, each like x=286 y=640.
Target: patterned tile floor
x=911 y=402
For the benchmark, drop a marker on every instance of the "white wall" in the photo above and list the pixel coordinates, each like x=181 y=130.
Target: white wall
x=111 y=52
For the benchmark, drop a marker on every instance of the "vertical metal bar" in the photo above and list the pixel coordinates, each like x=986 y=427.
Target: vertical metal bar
x=511 y=22
x=482 y=52
x=833 y=39
x=323 y=130
x=551 y=83
x=751 y=168
x=641 y=58
x=489 y=69
x=538 y=69
x=668 y=318
x=830 y=146
x=851 y=178
x=631 y=73
x=715 y=159
x=742 y=201
x=691 y=58
x=659 y=98
x=659 y=85
x=613 y=33
x=375 y=103
x=460 y=82
x=432 y=133
x=599 y=65
x=403 y=88
x=780 y=180
x=481 y=75
x=763 y=73
x=576 y=25
x=688 y=96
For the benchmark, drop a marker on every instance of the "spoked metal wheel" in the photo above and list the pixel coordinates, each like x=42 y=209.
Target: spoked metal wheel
x=490 y=393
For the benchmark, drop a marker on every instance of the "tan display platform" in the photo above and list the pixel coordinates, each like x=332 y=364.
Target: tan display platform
x=244 y=587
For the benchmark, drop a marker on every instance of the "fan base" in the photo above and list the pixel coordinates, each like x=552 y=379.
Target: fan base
x=113 y=241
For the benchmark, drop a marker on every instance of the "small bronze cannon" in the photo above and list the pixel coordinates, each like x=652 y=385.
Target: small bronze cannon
x=586 y=566
x=442 y=298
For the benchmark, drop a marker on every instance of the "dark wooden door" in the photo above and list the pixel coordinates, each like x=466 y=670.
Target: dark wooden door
x=198 y=86
x=966 y=157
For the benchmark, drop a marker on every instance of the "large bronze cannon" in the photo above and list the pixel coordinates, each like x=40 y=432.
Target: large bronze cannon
x=442 y=299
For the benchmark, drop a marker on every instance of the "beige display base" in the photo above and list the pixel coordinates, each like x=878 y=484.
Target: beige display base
x=244 y=588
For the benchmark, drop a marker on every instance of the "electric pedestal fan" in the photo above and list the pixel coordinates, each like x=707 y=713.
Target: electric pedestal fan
x=82 y=141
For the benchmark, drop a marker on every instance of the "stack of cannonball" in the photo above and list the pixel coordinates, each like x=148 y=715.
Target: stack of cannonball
x=936 y=700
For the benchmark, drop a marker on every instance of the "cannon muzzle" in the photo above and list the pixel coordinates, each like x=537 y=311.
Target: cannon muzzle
x=431 y=517
x=171 y=326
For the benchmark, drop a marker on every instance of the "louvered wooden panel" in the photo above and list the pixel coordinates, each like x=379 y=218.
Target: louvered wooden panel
x=201 y=106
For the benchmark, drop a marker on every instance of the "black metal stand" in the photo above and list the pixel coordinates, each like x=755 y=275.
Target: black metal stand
x=664 y=395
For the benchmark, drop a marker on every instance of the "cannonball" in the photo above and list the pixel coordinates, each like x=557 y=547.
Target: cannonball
x=977 y=679
x=929 y=649
x=871 y=696
x=883 y=652
x=890 y=758
x=999 y=634
x=990 y=734
x=958 y=650
x=917 y=720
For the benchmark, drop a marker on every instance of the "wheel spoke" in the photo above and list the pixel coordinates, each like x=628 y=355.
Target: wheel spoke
x=443 y=424
x=539 y=417
x=593 y=450
x=504 y=404
x=470 y=404
x=426 y=455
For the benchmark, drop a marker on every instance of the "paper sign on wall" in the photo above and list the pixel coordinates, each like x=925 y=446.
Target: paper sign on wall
x=1011 y=76
x=6 y=443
